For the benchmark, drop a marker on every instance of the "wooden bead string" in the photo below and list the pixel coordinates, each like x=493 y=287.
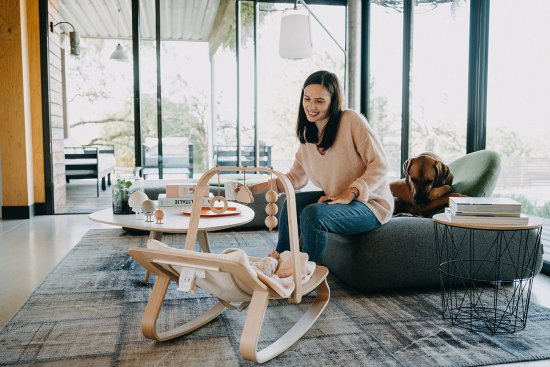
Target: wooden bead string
x=271 y=208
x=219 y=198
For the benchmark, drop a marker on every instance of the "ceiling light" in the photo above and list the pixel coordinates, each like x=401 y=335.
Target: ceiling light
x=119 y=54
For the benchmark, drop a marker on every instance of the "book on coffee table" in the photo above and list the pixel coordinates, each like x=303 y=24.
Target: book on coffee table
x=453 y=217
x=485 y=205
x=181 y=202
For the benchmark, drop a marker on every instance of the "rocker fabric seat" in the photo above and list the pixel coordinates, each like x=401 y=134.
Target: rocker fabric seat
x=402 y=253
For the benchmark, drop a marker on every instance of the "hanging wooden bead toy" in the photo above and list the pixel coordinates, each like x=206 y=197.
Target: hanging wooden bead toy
x=271 y=208
x=223 y=200
x=245 y=195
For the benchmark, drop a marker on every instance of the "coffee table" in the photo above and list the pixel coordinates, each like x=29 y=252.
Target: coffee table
x=487 y=290
x=175 y=222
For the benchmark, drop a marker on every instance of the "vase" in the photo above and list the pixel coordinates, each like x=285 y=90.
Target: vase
x=123 y=187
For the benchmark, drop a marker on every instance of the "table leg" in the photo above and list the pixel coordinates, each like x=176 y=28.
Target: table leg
x=203 y=241
x=153 y=235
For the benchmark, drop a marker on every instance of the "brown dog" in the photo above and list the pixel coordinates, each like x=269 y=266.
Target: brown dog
x=426 y=186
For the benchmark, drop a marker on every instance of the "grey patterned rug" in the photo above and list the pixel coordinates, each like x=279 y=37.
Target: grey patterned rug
x=88 y=312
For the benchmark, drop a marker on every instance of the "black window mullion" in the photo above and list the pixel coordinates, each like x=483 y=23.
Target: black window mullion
x=365 y=59
x=406 y=79
x=477 y=76
x=255 y=123
x=159 y=90
x=237 y=54
x=136 y=34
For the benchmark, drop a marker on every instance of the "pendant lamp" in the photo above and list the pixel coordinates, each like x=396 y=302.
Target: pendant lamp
x=119 y=54
x=295 y=37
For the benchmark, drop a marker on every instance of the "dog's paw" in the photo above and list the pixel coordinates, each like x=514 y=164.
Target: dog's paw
x=439 y=192
x=456 y=194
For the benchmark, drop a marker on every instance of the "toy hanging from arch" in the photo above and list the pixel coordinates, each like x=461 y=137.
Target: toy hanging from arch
x=271 y=208
x=220 y=198
x=245 y=195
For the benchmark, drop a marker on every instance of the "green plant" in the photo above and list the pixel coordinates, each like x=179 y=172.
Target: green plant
x=544 y=211
x=527 y=206
x=121 y=194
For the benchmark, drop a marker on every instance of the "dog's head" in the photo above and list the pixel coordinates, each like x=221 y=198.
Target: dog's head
x=424 y=172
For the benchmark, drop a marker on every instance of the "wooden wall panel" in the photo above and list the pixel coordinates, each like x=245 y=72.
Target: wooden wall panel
x=33 y=30
x=17 y=180
x=21 y=140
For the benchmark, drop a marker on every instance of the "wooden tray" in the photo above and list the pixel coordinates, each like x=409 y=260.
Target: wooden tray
x=207 y=213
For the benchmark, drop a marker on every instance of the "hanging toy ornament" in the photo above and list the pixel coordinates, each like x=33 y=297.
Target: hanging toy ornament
x=245 y=195
x=271 y=208
x=213 y=207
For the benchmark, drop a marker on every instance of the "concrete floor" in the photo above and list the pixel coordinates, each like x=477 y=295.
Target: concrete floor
x=32 y=248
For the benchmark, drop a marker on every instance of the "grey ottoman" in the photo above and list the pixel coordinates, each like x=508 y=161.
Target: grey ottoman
x=401 y=254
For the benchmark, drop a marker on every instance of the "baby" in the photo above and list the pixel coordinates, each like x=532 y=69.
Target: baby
x=279 y=264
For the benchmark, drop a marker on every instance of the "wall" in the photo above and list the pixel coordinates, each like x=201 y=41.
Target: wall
x=21 y=149
x=56 y=108
x=17 y=165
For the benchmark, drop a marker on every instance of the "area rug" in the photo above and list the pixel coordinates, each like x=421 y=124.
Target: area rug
x=87 y=312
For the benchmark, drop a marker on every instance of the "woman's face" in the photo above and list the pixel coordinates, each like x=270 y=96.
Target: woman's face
x=316 y=102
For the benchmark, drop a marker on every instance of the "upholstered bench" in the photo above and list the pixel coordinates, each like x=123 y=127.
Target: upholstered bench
x=402 y=253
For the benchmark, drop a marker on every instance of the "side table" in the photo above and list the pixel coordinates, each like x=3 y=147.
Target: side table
x=486 y=273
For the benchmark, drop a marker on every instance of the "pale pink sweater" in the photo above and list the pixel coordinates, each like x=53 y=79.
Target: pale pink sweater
x=355 y=159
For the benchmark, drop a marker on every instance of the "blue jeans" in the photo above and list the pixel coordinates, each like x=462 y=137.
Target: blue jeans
x=315 y=220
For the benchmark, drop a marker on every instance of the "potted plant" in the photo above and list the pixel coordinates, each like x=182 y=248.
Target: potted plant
x=122 y=189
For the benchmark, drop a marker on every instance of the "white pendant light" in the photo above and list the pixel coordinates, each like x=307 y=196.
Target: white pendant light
x=119 y=54
x=295 y=36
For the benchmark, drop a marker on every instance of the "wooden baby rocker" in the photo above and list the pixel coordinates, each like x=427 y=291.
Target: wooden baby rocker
x=230 y=278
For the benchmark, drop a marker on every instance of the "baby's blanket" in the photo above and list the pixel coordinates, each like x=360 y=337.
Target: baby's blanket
x=280 y=280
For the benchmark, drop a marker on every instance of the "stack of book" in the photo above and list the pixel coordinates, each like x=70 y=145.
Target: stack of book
x=485 y=210
x=181 y=196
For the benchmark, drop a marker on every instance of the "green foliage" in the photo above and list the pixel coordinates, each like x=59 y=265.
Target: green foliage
x=527 y=206
x=247 y=24
x=544 y=211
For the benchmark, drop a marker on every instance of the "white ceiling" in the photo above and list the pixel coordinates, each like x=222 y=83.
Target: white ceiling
x=184 y=20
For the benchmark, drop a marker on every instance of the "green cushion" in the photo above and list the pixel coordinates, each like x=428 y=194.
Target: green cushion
x=476 y=174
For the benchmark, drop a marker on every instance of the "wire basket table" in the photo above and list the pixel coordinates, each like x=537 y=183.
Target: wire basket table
x=486 y=273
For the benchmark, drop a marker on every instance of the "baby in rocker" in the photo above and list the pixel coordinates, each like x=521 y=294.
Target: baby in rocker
x=279 y=264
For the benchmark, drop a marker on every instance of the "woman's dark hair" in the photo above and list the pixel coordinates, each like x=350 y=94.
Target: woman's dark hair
x=306 y=131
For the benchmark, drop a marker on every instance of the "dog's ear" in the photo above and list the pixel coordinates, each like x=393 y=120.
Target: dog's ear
x=444 y=176
x=406 y=166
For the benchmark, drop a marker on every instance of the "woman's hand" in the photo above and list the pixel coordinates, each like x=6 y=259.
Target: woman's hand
x=344 y=198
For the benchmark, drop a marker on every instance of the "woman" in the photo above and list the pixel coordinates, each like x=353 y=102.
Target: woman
x=341 y=154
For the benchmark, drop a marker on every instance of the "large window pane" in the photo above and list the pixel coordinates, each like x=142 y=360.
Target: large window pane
x=385 y=81
x=185 y=101
x=439 y=79
x=518 y=123
x=100 y=106
x=280 y=80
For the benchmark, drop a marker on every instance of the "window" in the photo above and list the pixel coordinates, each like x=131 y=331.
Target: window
x=518 y=124
x=439 y=79
x=386 y=68
x=280 y=80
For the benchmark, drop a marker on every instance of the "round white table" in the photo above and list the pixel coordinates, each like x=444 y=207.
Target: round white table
x=175 y=222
